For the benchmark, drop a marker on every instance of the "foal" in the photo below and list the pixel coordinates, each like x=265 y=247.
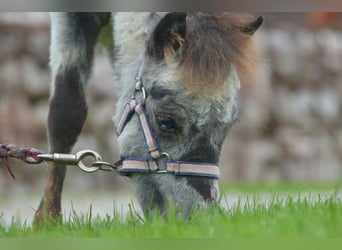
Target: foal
x=172 y=122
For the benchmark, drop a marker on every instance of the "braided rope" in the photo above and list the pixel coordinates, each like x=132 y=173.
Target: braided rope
x=28 y=155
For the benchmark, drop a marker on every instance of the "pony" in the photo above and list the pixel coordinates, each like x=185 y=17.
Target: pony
x=178 y=76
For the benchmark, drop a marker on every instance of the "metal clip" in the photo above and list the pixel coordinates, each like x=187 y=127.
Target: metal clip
x=104 y=166
x=74 y=159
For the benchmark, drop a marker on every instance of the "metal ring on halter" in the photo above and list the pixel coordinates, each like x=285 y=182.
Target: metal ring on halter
x=166 y=155
x=142 y=89
x=83 y=154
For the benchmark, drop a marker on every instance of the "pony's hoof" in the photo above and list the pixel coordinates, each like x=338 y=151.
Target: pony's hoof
x=46 y=216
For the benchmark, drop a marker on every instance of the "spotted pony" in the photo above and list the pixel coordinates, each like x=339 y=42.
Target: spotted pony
x=178 y=77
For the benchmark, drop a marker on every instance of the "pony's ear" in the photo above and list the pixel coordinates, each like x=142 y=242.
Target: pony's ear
x=253 y=26
x=168 y=36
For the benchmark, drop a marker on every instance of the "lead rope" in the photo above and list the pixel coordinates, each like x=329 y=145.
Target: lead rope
x=27 y=155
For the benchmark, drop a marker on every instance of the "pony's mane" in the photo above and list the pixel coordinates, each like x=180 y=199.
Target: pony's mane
x=212 y=44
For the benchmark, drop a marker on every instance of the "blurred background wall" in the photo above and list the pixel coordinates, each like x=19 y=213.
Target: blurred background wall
x=289 y=128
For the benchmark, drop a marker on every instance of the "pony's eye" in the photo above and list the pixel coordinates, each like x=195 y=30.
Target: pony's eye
x=166 y=123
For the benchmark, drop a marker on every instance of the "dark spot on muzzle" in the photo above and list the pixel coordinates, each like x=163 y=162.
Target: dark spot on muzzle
x=202 y=152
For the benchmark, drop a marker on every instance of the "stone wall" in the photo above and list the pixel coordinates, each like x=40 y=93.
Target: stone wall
x=290 y=121
x=289 y=125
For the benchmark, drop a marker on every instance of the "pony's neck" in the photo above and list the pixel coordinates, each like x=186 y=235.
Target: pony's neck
x=131 y=32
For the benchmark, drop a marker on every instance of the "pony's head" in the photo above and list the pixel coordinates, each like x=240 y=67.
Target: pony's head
x=190 y=67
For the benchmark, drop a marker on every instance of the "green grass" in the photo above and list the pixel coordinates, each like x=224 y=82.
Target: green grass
x=284 y=217
x=280 y=187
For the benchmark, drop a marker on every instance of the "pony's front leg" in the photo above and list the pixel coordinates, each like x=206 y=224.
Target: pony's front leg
x=73 y=37
x=67 y=114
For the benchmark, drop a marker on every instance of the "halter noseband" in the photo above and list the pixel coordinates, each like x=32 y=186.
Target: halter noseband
x=150 y=165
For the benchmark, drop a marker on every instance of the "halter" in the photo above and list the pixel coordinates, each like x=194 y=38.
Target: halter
x=150 y=165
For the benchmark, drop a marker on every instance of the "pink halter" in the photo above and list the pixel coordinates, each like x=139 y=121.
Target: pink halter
x=150 y=165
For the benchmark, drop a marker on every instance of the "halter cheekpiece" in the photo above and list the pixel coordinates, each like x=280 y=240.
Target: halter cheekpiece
x=150 y=165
